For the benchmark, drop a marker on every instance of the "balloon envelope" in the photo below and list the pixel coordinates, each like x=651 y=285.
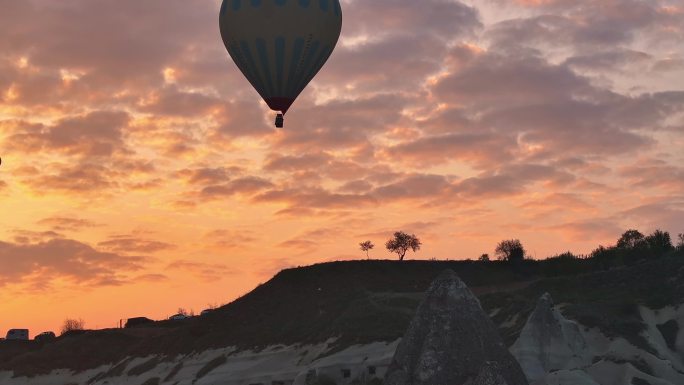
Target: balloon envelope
x=280 y=45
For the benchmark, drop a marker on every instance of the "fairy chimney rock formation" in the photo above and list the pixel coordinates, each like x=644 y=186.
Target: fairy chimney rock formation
x=452 y=341
x=549 y=342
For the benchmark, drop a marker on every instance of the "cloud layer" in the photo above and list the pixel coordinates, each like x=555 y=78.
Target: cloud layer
x=133 y=147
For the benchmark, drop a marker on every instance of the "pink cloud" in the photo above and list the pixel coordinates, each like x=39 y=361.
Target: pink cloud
x=551 y=117
x=59 y=258
x=95 y=134
x=67 y=224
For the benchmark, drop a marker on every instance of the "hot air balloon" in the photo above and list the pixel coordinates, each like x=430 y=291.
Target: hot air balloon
x=280 y=45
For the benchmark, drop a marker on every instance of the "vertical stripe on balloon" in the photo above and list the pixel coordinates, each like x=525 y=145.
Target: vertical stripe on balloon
x=237 y=4
x=251 y=64
x=224 y=6
x=265 y=65
x=280 y=64
x=318 y=64
x=324 y=5
x=297 y=49
x=301 y=78
x=255 y=3
x=236 y=53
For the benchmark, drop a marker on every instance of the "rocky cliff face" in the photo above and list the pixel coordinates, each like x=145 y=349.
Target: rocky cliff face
x=553 y=350
x=452 y=341
x=231 y=366
x=549 y=342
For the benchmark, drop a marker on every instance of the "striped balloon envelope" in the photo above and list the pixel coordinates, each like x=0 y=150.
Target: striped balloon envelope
x=280 y=45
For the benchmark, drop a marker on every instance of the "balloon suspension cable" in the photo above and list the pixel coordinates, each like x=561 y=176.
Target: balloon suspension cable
x=279 y=120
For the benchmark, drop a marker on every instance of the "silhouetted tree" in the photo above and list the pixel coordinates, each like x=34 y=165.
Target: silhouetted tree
x=402 y=242
x=680 y=242
x=484 y=258
x=631 y=239
x=510 y=250
x=72 y=324
x=366 y=246
x=659 y=242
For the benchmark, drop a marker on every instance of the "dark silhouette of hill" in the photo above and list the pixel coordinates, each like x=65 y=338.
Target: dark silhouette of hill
x=366 y=301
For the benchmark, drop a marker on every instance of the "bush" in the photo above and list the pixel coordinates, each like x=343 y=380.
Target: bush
x=564 y=264
x=71 y=325
x=659 y=243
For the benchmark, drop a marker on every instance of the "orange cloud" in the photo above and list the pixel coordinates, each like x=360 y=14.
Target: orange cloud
x=555 y=121
x=39 y=264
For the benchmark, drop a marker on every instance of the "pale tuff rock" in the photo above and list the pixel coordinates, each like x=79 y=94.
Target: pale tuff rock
x=553 y=350
x=549 y=342
x=451 y=341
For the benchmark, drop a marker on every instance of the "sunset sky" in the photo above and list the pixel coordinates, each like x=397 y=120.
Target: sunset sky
x=142 y=173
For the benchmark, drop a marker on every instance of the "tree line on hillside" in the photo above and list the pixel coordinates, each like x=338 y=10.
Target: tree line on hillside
x=632 y=246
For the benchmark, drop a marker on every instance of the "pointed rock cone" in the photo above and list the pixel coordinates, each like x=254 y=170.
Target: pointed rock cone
x=549 y=342
x=451 y=341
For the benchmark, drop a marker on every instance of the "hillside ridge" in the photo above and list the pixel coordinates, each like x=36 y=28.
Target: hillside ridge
x=358 y=302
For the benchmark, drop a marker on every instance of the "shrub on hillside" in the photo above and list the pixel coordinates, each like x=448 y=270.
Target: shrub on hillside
x=510 y=250
x=633 y=247
x=605 y=258
x=659 y=242
x=563 y=264
x=71 y=325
